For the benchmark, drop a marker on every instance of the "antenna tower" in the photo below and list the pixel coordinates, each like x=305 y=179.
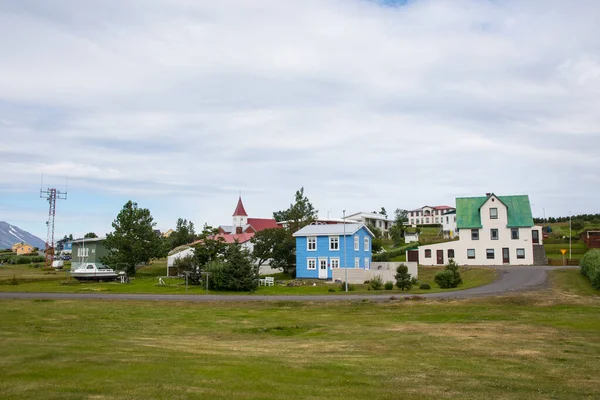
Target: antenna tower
x=51 y=194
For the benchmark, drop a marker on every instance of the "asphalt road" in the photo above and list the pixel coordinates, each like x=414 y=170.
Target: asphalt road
x=510 y=279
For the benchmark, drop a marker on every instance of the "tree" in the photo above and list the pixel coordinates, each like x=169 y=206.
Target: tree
x=299 y=214
x=133 y=241
x=397 y=229
x=449 y=277
x=184 y=233
x=90 y=235
x=277 y=246
x=383 y=212
x=210 y=247
x=403 y=278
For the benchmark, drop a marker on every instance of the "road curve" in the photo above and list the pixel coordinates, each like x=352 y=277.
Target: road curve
x=510 y=279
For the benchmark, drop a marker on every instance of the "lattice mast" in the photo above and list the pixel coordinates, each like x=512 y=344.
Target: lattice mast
x=51 y=194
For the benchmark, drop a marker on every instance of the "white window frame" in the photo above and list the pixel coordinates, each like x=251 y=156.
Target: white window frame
x=356 y=243
x=366 y=243
x=333 y=261
x=474 y=255
x=357 y=262
x=367 y=263
x=308 y=264
x=521 y=257
x=493 y=216
x=334 y=239
x=308 y=243
x=489 y=252
x=492 y=234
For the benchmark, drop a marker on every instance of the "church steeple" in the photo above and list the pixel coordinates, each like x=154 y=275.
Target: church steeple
x=240 y=217
x=239 y=210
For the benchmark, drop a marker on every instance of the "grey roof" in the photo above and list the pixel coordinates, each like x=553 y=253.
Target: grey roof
x=87 y=240
x=368 y=215
x=331 y=229
x=227 y=228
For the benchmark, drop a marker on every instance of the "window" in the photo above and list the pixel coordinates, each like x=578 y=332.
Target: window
x=474 y=234
x=412 y=221
x=357 y=262
x=494 y=234
x=334 y=262
x=427 y=253
x=367 y=262
x=450 y=253
x=334 y=242
x=311 y=244
x=366 y=244
x=426 y=220
x=437 y=220
x=311 y=263
x=493 y=213
x=446 y=219
x=418 y=221
x=470 y=254
x=520 y=253
x=514 y=233
x=356 y=243
x=489 y=254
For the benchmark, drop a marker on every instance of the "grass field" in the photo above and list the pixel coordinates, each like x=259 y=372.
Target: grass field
x=543 y=345
x=578 y=249
x=31 y=279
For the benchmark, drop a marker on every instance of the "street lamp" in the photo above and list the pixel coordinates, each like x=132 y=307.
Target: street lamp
x=345 y=266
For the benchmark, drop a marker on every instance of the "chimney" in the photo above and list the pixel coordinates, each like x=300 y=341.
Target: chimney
x=238 y=229
x=488 y=194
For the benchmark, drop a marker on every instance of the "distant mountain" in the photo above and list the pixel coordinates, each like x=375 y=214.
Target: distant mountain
x=10 y=234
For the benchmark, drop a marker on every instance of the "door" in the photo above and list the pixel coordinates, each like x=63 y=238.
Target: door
x=505 y=255
x=535 y=236
x=413 y=256
x=322 y=268
x=440 y=257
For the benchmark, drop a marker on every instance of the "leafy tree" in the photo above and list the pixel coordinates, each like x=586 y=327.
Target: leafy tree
x=449 y=277
x=376 y=245
x=210 y=247
x=133 y=241
x=383 y=212
x=577 y=225
x=403 y=278
x=299 y=214
x=397 y=229
x=70 y=237
x=184 y=233
x=90 y=235
x=276 y=245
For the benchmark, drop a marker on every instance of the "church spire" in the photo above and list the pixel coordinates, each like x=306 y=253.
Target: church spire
x=239 y=210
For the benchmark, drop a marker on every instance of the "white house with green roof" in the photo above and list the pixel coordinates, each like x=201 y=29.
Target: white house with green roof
x=494 y=230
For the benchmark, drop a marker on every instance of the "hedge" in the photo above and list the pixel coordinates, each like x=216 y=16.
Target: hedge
x=590 y=267
x=12 y=259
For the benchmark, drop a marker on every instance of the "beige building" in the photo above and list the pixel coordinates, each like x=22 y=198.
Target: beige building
x=22 y=248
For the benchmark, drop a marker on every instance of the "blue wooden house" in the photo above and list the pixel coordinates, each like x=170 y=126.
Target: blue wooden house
x=321 y=248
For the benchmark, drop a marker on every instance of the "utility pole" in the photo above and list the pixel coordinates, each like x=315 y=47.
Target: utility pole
x=51 y=194
x=345 y=265
x=570 y=234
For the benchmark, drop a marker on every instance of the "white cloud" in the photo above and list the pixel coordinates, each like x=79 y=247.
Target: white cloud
x=363 y=104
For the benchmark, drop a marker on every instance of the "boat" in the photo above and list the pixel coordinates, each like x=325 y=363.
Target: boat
x=93 y=272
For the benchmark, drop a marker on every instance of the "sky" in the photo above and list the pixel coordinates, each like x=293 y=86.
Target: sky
x=180 y=105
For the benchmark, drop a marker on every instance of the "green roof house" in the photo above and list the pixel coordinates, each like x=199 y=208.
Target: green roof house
x=493 y=230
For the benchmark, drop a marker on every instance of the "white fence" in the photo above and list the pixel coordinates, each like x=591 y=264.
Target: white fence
x=387 y=271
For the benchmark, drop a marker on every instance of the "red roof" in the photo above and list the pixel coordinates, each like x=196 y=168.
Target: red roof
x=239 y=210
x=260 y=224
x=240 y=237
x=443 y=207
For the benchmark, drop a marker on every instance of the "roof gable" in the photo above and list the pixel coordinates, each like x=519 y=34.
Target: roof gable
x=332 y=229
x=259 y=224
x=468 y=211
x=239 y=209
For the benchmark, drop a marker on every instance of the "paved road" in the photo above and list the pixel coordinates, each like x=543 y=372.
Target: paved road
x=511 y=279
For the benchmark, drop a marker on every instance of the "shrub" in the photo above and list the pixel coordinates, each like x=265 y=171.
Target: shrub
x=445 y=279
x=403 y=278
x=590 y=267
x=425 y=286
x=389 y=285
x=331 y=290
x=350 y=287
x=377 y=283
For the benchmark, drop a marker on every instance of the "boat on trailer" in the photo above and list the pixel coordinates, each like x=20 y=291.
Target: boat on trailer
x=93 y=272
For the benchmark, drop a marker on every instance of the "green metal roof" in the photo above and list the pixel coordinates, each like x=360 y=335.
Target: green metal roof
x=468 y=216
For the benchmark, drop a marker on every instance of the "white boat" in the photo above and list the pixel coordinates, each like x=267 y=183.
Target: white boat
x=93 y=272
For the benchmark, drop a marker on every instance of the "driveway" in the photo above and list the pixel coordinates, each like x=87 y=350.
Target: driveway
x=510 y=279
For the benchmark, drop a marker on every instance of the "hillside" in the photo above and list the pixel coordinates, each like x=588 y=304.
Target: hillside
x=10 y=234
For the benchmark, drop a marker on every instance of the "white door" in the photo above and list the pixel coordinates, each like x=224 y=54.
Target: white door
x=322 y=268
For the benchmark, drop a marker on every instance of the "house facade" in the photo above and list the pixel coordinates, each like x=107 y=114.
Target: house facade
x=379 y=221
x=428 y=215
x=22 y=249
x=322 y=248
x=449 y=224
x=86 y=251
x=494 y=230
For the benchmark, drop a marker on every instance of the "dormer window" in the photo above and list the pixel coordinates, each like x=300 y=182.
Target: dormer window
x=493 y=213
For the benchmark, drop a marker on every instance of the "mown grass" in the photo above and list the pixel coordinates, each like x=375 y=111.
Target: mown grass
x=146 y=281
x=531 y=346
x=578 y=249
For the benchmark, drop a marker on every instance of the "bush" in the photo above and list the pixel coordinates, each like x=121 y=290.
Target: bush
x=350 y=287
x=445 y=279
x=590 y=267
x=377 y=283
x=403 y=278
x=425 y=286
x=389 y=285
x=331 y=290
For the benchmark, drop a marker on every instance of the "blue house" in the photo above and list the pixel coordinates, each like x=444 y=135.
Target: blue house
x=321 y=248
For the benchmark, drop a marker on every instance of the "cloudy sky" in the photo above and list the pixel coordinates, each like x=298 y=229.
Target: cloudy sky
x=181 y=104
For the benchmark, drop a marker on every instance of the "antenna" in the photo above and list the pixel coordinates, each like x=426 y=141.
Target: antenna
x=51 y=195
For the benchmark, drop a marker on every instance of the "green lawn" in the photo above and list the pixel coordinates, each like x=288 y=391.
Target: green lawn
x=578 y=249
x=146 y=281
x=528 y=346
